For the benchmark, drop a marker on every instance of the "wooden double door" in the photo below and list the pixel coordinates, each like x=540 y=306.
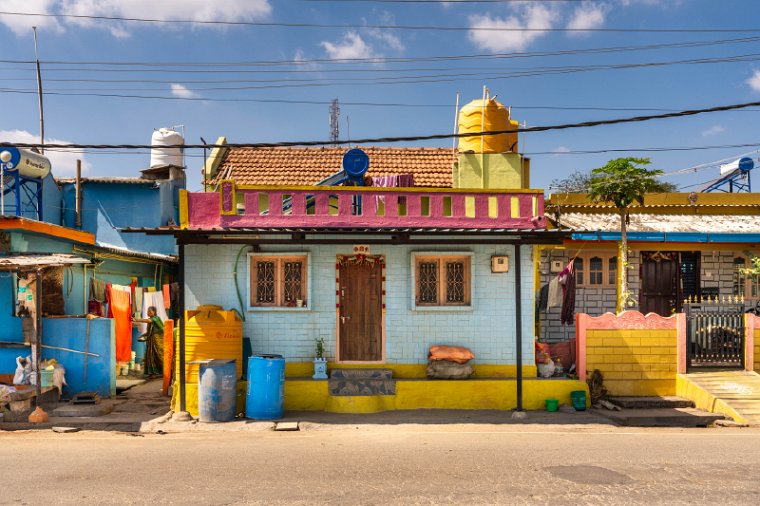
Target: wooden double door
x=360 y=309
x=667 y=278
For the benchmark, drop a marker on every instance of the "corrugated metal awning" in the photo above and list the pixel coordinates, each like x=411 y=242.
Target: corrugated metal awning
x=25 y=261
x=703 y=223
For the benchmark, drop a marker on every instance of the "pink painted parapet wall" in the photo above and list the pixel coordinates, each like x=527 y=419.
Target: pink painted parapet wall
x=364 y=207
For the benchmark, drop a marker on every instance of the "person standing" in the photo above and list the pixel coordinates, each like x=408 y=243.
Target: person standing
x=154 y=339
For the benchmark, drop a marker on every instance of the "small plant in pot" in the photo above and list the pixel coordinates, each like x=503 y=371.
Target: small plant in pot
x=320 y=362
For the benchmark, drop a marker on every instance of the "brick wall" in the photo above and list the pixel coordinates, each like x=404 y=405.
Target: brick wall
x=593 y=301
x=633 y=361
x=716 y=271
x=636 y=354
x=487 y=327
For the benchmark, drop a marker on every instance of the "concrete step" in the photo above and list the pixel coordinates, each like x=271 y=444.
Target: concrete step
x=361 y=387
x=361 y=373
x=669 y=401
x=735 y=393
x=661 y=417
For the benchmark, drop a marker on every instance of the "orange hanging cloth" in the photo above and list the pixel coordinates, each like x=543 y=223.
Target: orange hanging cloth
x=167 y=297
x=168 y=355
x=120 y=306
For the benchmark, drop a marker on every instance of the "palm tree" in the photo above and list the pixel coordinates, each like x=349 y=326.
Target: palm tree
x=622 y=182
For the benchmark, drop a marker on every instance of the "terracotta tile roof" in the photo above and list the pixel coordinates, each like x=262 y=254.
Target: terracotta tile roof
x=432 y=167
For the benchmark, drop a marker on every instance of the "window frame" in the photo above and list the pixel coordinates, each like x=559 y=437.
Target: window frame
x=747 y=281
x=585 y=259
x=440 y=258
x=279 y=284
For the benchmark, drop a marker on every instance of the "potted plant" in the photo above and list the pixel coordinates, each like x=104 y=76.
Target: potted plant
x=320 y=362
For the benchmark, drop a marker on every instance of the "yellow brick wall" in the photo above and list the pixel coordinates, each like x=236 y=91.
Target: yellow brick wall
x=757 y=350
x=634 y=362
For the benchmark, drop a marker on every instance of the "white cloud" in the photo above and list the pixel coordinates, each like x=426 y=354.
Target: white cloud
x=532 y=16
x=754 y=81
x=180 y=90
x=22 y=25
x=168 y=10
x=352 y=46
x=64 y=162
x=386 y=38
x=586 y=16
x=164 y=10
x=713 y=130
x=560 y=150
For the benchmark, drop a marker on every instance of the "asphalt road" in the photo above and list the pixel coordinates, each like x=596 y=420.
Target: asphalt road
x=401 y=464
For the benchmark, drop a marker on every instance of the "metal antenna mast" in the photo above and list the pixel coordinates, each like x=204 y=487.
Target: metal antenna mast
x=39 y=93
x=334 y=121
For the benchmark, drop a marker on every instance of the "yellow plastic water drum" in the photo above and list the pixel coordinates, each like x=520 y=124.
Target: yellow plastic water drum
x=478 y=116
x=211 y=333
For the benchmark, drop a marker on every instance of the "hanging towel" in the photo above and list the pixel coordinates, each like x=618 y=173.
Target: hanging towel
x=120 y=307
x=97 y=289
x=554 y=297
x=167 y=297
x=567 y=279
x=155 y=299
x=138 y=302
x=398 y=181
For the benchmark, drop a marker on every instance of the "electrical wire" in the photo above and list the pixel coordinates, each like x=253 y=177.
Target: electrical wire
x=565 y=126
x=387 y=60
x=433 y=78
x=276 y=24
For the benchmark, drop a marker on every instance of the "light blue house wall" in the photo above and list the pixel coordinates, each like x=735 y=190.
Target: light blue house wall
x=487 y=327
x=106 y=207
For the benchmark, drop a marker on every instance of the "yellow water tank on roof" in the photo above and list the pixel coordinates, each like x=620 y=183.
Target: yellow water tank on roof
x=483 y=116
x=211 y=333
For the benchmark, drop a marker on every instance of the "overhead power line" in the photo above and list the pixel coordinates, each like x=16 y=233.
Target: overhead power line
x=276 y=24
x=566 y=126
x=432 y=78
x=220 y=66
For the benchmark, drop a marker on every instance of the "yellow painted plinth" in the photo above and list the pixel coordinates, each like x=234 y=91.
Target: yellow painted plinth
x=407 y=371
x=312 y=395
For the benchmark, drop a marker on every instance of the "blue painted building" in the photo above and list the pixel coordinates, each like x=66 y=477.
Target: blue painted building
x=48 y=222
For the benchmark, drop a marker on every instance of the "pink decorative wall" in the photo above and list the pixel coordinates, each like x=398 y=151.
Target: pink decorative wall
x=344 y=207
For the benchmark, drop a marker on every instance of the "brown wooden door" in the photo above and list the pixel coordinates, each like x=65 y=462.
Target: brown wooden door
x=360 y=329
x=659 y=276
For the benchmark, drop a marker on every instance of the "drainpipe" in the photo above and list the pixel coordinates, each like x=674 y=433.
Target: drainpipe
x=518 y=324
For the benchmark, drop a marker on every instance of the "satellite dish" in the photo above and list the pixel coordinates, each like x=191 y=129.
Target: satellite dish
x=355 y=164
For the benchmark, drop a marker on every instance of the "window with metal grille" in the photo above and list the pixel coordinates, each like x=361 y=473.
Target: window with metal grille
x=442 y=281
x=278 y=281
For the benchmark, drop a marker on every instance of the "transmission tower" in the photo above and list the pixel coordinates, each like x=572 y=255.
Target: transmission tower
x=334 y=121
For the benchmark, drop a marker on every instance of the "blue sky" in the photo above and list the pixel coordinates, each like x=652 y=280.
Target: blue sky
x=539 y=93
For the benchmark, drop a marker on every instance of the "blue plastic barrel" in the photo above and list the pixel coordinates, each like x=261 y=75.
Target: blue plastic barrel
x=216 y=390
x=266 y=386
